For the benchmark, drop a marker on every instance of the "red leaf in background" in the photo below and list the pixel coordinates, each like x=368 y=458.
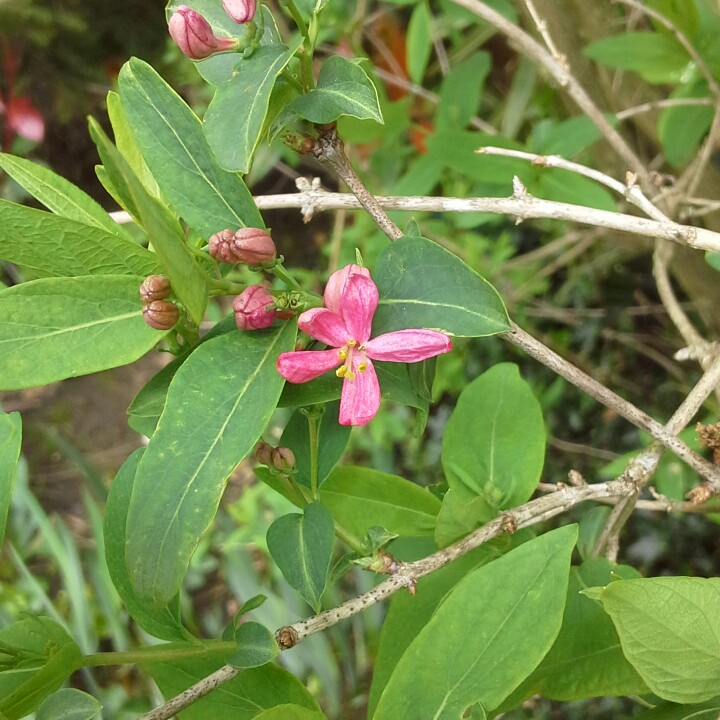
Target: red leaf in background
x=25 y=119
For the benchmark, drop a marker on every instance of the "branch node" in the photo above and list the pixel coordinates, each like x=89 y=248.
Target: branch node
x=509 y=523
x=700 y=494
x=286 y=637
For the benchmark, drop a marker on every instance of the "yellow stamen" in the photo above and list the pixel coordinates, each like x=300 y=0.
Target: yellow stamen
x=342 y=353
x=351 y=343
x=362 y=367
x=349 y=375
x=341 y=371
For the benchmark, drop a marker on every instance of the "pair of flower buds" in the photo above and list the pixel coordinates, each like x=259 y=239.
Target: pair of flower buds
x=193 y=34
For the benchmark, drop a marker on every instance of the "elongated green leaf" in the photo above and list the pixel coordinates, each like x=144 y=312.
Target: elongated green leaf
x=256 y=646
x=424 y=286
x=332 y=438
x=218 y=403
x=302 y=546
x=502 y=464
x=489 y=633
x=10 y=437
x=672 y=711
x=58 y=194
x=57 y=328
x=242 y=698
x=290 y=712
x=360 y=498
x=236 y=115
x=408 y=615
x=174 y=147
x=45 y=656
x=461 y=91
x=68 y=704
x=586 y=659
x=186 y=277
x=162 y=622
x=54 y=245
x=658 y=58
x=669 y=630
x=343 y=88
x=419 y=42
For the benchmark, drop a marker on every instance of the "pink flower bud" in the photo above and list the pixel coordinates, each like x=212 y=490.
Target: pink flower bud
x=336 y=284
x=248 y=246
x=283 y=459
x=154 y=287
x=161 y=314
x=254 y=308
x=194 y=36
x=241 y=11
x=263 y=452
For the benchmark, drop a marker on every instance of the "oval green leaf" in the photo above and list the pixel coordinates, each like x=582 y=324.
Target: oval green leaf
x=10 y=438
x=488 y=634
x=302 y=546
x=218 y=403
x=343 y=88
x=291 y=712
x=360 y=498
x=424 y=286
x=232 y=135
x=669 y=630
x=175 y=149
x=56 y=328
x=68 y=704
x=256 y=646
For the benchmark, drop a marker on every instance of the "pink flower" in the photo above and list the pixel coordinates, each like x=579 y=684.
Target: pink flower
x=351 y=298
x=194 y=36
x=241 y=11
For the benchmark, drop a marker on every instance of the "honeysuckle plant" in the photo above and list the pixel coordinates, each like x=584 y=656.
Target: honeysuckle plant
x=535 y=612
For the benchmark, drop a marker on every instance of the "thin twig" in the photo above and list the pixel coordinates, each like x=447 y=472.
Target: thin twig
x=660 y=105
x=406 y=575
x=542 y=27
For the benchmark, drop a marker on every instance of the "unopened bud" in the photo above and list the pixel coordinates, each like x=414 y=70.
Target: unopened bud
x=241 y=11
x=154 y=287
x=283 y=459
x=194 y=36
x=254 y=308
x=161 y=314
x=248 y=246
x=263 y=453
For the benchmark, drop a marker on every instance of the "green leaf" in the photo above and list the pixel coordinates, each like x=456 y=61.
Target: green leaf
x=217 y=405
x=241 y=698
x=302 y=545
x=490 y=632
x=57 y=328
x=252 y=604
x=408 y=615
x=235 y=118
x=565 y=186
x=256 y=646
x=422 y=285
x=713 y=259
x=332 y=438
x=161 y=622
x=419 y=42
x=147 y=406
x=68 y=704
x=59 y=195
x=10 y=438
x=174 y=147
x=461 y=91
x=360 y=498
x=658 y=58
x=681 y=129
x=668 y=628
x=504 y=459
x=671 y=711
x=167 y=237
x=37 y=657
x=290 y=712
x=52 y=245
x=586 y=659
x=343 y=88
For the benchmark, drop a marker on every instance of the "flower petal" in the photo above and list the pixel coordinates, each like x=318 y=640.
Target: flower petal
x=358 y=304
x=336 y=283
x=325 y=326
x=360 y=397
x=408 y=345
x=304 y=365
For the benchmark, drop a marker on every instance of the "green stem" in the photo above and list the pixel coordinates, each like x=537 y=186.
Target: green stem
x=292 y=80
x=352 y=541
x=281 y=273
x=297 y=17
x=160 y=653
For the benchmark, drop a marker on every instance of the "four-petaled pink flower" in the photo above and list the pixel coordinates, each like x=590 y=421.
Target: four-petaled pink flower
x=351 y=298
